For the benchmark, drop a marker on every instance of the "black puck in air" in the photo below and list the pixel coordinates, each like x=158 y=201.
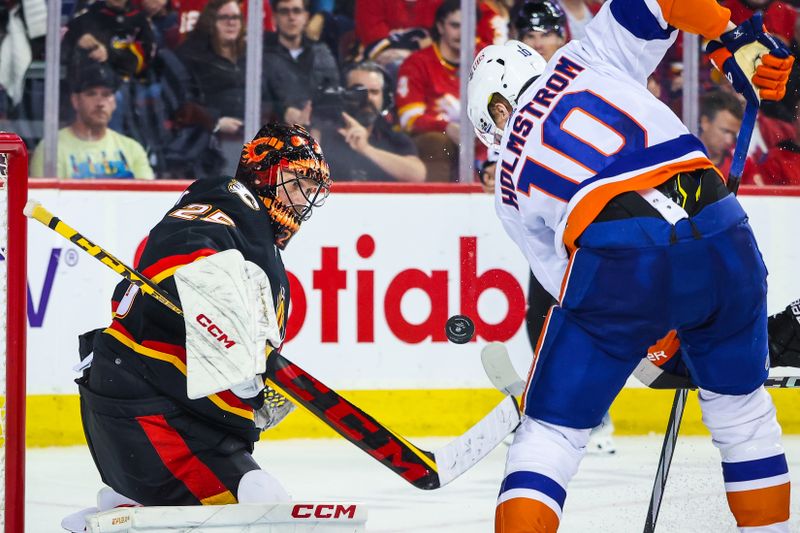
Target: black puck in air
x=459 y=329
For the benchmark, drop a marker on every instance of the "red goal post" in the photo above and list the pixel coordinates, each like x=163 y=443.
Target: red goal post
x=13 y=247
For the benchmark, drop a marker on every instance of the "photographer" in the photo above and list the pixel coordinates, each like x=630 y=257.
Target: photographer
x=359 y=143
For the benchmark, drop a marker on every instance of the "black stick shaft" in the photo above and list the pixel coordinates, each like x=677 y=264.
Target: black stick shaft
x=664 y=462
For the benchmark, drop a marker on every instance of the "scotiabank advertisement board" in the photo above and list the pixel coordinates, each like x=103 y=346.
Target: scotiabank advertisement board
x=374 y=277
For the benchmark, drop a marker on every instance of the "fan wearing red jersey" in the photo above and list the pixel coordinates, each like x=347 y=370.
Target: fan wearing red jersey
x=154 y=438
x=428 y=104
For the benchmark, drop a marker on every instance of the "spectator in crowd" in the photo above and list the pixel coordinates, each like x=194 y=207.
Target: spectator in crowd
x=87 y=148
x=779 y=16
x=294 y=66
x=493 y=19
x=362 y=146
x=720 y=119
x=390 y=30
x=332 y=23
x=109 y=31
x=214 y=55
x=781 y=165
x=486 y=175
x=542 y=25
x=188 y=12
x=163 y=20
x=579 y=13
x=428 y=95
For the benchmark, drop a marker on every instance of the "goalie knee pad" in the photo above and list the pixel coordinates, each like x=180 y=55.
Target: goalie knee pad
x=541 y=461
x=258 y=486
x=747 y=434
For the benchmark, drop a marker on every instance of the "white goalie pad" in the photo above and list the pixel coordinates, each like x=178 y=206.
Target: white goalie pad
x=229 y=315
x=293 y=517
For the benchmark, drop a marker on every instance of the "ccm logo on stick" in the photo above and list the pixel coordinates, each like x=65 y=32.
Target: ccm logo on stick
x=325 y=510
x=212 y=328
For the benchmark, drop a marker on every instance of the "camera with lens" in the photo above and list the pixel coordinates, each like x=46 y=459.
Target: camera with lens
x=330 y=102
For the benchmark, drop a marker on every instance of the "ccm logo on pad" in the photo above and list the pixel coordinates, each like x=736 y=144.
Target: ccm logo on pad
x=325 y=510
x=212 y=328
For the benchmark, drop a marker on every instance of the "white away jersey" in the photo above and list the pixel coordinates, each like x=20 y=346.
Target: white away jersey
x=588 y=129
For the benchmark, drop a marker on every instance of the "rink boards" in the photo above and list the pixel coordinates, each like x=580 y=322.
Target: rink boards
x=374 y=275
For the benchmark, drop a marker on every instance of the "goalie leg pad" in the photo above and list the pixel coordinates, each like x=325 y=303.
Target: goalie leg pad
x=541 y=461
x=746 y=432
x=259 y=486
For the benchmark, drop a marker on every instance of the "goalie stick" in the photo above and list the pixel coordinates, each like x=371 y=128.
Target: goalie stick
x=424 y=469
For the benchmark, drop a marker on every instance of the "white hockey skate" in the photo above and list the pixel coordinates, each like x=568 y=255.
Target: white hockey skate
x=107 y=498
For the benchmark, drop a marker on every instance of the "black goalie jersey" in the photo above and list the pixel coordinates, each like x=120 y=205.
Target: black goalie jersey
x=212 y=215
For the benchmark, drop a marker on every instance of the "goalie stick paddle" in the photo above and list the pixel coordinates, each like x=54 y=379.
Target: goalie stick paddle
x=423 y=469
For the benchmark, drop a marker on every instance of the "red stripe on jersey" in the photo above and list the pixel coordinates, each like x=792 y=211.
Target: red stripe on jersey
x=179 y=459
x=232 y=400
x=172 y=349
x=172 y=261
x=116 y=325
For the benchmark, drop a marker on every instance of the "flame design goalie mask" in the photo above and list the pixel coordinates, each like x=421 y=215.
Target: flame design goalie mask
x=286 y=168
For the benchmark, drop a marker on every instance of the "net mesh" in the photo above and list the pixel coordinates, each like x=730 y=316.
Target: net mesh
x=3 y=299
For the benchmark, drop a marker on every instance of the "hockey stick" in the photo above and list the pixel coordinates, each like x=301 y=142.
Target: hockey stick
x=497 y=364
x=742 y=144
x=654 y=377
x=423 y=469
x=665 y=459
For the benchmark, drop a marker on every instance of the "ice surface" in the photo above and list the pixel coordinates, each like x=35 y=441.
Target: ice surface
x=609 y=494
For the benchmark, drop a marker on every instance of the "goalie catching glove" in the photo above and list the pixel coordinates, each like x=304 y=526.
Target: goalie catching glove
x=784 y=336
x=756 y=63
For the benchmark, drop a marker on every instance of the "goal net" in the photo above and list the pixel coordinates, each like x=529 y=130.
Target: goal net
x=13 y=194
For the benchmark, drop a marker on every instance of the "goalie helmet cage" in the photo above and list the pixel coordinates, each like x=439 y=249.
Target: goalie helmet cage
x=13 y=233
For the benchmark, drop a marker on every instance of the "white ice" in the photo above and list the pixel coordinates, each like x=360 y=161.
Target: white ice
x=609 y=494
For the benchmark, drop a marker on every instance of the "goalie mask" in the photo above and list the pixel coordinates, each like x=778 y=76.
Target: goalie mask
x=285 y=166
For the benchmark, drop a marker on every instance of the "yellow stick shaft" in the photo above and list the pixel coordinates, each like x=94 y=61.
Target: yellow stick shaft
x=37 y=212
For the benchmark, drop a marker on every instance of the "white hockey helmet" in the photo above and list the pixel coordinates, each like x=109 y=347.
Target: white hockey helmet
x=502 y=69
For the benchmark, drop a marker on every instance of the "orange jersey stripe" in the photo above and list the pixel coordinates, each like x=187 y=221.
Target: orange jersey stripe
x=595 y=200
x=760 y=507
x=704 y=17
x=535 y=358
x=523 y=515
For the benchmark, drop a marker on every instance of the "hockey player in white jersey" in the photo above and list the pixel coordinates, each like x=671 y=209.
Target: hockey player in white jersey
x=627 y=223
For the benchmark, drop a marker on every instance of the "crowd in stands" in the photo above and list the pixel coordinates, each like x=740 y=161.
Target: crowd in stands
x=156 y=88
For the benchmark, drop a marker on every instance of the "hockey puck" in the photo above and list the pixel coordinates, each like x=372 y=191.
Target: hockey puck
x=459 y=329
